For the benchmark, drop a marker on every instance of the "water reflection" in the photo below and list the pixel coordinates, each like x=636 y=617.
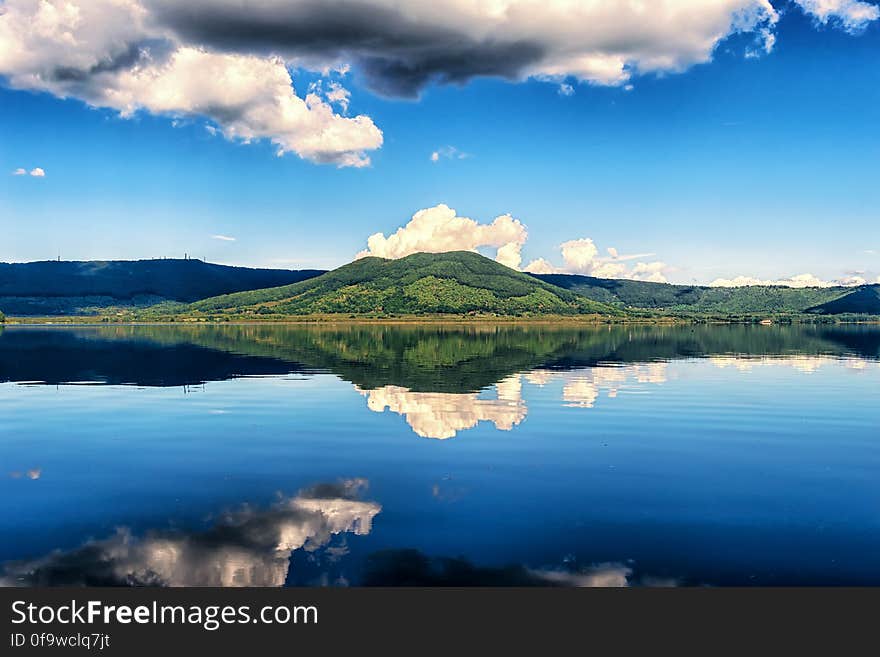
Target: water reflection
x=245 y=547
x=442 y=379
x=630 y=450
x=254 y=547
x=442 y=415
x=803 y=364
x=32 y=474
x=582 y=387
x=415 y=568
x=423 y=358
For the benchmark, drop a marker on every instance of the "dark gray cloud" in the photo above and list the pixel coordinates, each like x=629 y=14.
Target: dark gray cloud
x=397 y=55
x=406 y=76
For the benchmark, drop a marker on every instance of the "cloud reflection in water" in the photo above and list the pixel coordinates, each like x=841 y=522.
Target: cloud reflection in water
x=246 y=547
x=442 y=415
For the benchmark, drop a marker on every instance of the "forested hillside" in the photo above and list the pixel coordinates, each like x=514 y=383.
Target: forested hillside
x=458 y=282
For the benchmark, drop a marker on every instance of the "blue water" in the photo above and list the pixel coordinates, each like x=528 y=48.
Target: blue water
x=385 y=458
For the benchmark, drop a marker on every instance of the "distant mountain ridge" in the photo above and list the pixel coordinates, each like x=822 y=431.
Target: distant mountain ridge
x=454 y=283
x=756 y=299
x=70 y=287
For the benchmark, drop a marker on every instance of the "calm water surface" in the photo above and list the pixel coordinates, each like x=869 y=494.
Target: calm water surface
x=285 y=455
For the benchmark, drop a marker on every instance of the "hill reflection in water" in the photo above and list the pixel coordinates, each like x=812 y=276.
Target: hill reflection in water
x=442 y=379
x=423 y=358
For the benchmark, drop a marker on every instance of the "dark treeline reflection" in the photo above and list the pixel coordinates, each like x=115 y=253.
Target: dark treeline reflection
x=438 y=358
x=56 y=356
x=410 y=567
x=431 y=358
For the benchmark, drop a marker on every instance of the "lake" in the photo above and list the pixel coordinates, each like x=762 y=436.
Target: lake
x=295 y=455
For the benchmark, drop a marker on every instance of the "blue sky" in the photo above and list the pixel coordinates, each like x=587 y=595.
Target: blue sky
x=743 y=166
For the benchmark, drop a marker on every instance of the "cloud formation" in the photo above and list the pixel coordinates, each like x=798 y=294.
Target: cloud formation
x=799 y=281
x=223 y=238
x=230 y=60
x=581 y=256
x=399 y=48
x=851 y=15
x=440 y=229
x=448 y=153
x=116 y=54
x=36 y=172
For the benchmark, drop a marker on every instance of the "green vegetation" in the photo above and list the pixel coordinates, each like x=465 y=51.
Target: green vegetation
x=862 y=300
x=721 y=302
x=460 y=285
x=65 y=288
x=456 y=283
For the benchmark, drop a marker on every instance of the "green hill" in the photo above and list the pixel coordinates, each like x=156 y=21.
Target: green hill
x=862 y=300
x=696 y=299
x=458 y=282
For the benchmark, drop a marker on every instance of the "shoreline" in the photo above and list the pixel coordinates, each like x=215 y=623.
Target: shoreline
x=587 y=320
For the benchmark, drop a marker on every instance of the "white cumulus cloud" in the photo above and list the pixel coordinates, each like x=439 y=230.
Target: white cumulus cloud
x=440 y=229
x=115 y=54
x=541 y=266
x=581 y=256
x=851 y=15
